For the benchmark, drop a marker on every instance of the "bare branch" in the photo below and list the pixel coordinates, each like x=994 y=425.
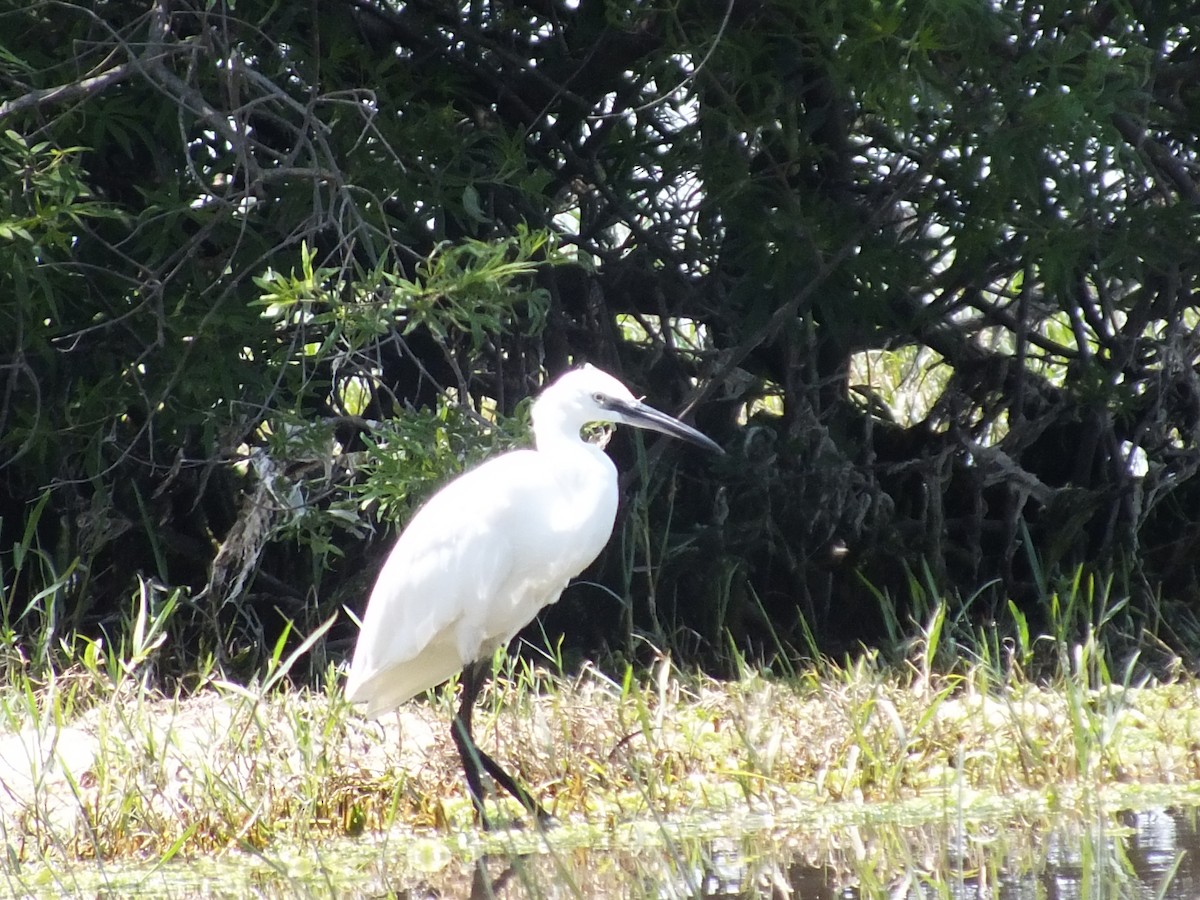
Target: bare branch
x=63 y=93
x=1164 y=161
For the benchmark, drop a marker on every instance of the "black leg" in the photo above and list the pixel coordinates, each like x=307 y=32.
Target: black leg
x=460 y=731
x=473 y=758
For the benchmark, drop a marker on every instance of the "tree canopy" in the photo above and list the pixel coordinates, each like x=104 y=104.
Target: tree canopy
x=929 y=271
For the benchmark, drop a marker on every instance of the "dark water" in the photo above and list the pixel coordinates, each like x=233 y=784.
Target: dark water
x=1149 y=854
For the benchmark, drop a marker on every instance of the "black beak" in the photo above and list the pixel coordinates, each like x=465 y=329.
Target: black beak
x=639 y=415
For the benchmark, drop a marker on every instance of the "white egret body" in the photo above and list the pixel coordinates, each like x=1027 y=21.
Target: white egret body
x=489 y=550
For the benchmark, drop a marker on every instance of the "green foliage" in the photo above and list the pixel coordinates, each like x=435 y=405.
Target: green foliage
x=274 y=271
x=407 y=458
x=33 y=591
x=45 y=196
x=44 y=202
x=467 y=289
x=476 y=288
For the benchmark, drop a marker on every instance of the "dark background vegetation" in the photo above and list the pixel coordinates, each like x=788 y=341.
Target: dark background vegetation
x=928 y=270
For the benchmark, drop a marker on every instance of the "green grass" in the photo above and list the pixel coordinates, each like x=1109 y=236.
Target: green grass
x=99 y=765
x=279 y=781
x=101 y=773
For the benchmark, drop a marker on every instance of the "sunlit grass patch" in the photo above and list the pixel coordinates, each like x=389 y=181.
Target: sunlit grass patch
x=96 y=764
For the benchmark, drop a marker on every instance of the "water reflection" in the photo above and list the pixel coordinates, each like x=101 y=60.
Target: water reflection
x=1149 y=854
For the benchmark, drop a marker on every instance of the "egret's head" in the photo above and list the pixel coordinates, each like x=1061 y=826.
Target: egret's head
x=587 y=395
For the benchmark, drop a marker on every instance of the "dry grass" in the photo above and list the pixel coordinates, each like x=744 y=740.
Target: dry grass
x=137 y=775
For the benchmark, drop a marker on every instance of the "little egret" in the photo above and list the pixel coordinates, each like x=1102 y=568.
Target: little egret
x=488 y=551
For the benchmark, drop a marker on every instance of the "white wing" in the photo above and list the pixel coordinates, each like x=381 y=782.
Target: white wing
x=473 y=567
